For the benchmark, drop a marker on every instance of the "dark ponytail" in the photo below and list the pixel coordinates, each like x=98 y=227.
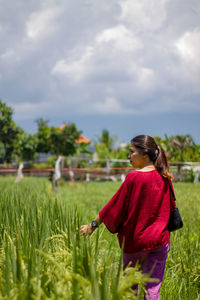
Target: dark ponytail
x=145 y=144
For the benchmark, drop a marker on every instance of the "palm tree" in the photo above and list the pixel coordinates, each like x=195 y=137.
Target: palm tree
x=104 y=146
x=179 y=143
x=106 y=139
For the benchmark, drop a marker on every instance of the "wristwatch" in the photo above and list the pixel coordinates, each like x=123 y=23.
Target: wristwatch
x=94 y=224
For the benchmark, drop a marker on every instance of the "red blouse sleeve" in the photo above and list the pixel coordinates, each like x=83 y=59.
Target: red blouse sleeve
x=115 y=210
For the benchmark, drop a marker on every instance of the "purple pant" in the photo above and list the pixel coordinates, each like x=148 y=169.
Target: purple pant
x=155 y=259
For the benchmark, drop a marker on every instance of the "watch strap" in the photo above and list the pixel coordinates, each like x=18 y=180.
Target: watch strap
x=94 y=224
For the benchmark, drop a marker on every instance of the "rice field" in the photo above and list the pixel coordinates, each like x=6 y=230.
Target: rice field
x=43 y=255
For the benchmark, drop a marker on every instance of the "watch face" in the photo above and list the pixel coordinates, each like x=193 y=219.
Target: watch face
x=94 y=224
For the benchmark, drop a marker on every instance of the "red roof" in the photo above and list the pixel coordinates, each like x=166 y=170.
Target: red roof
x=81 y=139
x=168 y=155
x=62 y=126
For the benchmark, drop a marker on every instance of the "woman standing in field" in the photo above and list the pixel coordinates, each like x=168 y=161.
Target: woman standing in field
x=139 y=212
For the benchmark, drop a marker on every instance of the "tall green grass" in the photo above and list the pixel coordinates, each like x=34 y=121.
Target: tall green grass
x=43 y=255
x=182 y=278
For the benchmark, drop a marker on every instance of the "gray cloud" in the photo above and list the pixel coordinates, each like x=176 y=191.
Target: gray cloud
x=109 y=57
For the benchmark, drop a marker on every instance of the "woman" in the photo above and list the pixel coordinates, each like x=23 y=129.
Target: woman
x=139 y=212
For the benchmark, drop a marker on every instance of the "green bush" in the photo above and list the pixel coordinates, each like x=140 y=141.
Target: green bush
x=51 y=161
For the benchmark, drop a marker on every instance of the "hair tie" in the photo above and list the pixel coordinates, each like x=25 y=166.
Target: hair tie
x=157 y=151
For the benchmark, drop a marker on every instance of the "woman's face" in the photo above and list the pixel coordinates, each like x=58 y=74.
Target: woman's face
x=137 y=159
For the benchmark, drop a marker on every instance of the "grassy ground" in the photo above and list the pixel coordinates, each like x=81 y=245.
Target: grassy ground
x=42 y=256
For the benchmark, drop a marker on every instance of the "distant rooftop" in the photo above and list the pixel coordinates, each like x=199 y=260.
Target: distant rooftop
x=81 y=139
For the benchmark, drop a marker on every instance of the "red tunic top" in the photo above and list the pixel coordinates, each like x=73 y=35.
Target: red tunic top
x=139 y=211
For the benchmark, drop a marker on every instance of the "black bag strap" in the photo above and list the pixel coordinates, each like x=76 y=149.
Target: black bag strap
x=172 y=191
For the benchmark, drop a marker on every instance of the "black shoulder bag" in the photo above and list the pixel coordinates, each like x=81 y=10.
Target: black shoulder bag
x=175 y=220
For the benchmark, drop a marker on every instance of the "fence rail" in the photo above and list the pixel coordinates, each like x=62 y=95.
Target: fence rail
x=182 y=171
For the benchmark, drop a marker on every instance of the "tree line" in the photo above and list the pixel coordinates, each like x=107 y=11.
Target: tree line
x=18 y=145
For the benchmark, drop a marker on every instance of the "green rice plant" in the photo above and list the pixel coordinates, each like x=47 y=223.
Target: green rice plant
x=182 y=278
x=44 y=256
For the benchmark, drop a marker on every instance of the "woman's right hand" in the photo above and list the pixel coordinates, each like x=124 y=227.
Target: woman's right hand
x=86 y=229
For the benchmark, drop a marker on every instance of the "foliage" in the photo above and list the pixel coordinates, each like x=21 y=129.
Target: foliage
x=181 y=148
x=102 y=151
x=192 y=153
x=2 y=151
x=56 y=140
x=121 y=153
x=183 y=266
x=103 y=147
x=161 y=142
x=63 y=141
x=43 y=256
x=14 y=140
x=43 y=135
x=105 y=150
x=83 y=154
x=8 y=132
x=26 y=146
x=40 y=165
x=51 y=160
x=82 y=148
x=177 y=145
x=106 y=139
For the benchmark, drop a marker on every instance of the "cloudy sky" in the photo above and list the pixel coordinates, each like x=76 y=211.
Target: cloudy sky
x=131 y=66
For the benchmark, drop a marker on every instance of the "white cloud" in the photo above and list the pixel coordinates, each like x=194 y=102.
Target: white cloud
x=100 y=56
x=42 y=23
x=75 y=69
x=188 y=46
x=109 y=106
x=187 y=69
x=143 y=14
x=121 y=38
x=126 y=53
x=146 y=78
